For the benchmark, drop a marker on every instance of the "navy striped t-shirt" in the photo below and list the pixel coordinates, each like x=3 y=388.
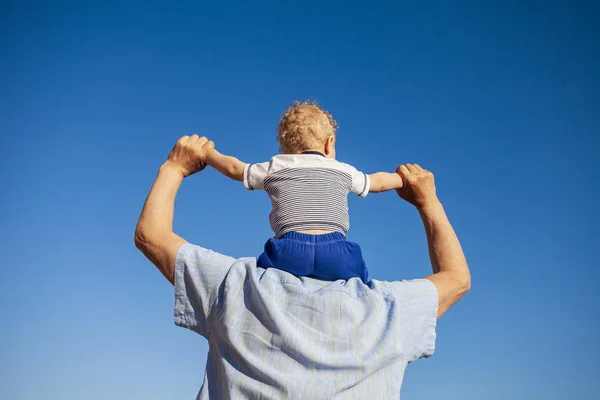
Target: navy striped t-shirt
x=307 y=191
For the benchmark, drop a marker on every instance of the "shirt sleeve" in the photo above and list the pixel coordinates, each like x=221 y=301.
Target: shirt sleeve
x=418 y=306
x=199 y=276
x=361 y=183
x=254 y=175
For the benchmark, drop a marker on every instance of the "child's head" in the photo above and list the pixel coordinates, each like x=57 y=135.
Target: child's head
x=306 y=126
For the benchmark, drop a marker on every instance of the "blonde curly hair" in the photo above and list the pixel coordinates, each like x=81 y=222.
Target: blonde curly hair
x=304 y=126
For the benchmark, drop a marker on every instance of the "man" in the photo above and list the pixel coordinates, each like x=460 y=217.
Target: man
x=273 y=335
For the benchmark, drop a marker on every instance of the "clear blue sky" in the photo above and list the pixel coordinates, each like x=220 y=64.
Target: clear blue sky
x=501 y=101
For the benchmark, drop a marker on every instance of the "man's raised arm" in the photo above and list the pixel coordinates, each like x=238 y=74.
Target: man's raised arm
x=154 y=234
x=451 y=274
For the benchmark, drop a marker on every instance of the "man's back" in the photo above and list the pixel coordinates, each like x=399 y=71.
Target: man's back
x=273 y=335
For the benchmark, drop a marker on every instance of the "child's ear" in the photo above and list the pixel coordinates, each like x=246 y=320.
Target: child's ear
x=330 y=146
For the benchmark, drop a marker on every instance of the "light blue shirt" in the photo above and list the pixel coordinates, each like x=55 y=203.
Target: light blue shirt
x=273 y=335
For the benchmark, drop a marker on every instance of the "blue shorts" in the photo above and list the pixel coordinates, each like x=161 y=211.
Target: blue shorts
x=330 y=256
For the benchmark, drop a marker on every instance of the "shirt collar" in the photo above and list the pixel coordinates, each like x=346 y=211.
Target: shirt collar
x=313 y=152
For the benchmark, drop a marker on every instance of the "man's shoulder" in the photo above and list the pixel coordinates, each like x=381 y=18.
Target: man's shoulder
x=404 y=288
x=243 y=274
x=201 y=264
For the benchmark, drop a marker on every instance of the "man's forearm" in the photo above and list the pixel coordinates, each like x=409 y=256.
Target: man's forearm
x=154 y=232
x=444 y=248
x=158 y=211
x=450 y=268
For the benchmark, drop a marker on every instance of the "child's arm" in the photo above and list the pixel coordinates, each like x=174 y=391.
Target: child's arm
x=384 y=181
x=227 y=165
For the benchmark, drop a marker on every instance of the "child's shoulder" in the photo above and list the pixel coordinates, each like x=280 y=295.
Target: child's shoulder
x=306 y=158
x=284 y=161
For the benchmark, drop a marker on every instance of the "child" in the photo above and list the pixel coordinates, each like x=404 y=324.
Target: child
x=309 y=195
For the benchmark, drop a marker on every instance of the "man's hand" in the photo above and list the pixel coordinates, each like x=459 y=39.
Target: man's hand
x=419 y=187
x=190 y=154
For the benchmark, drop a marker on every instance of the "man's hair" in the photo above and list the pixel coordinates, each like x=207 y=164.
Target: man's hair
x=303 y=126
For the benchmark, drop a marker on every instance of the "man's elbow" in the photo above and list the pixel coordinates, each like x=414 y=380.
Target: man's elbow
x=463 y=285
x=457 y=285
x=455 y=289
x=140 y=240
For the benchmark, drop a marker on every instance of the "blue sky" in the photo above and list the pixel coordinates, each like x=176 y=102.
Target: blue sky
x=499 y=99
